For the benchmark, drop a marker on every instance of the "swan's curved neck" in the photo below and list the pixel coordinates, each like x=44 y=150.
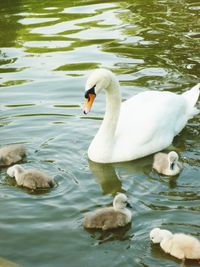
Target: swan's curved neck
x=113 y=103
x=104 y=139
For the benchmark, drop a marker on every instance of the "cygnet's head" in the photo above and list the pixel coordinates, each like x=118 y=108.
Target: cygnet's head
x=98 y=80
x=11 y=171
x=173 y=159
x=121 y=202
x=157 y=235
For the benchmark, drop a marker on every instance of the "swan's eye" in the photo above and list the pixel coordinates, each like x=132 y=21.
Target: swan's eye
x=90 y=91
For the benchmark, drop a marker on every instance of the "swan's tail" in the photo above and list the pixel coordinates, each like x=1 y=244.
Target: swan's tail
x=191 y=97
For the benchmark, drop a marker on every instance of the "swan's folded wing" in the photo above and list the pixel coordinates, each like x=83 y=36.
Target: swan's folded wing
x=148 y=123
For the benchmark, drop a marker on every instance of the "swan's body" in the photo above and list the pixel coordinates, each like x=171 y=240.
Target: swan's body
x=142 y=125
x=32 y=178
x=110 y=217
x=167 y=164
x=11 y=154
x=179 y=245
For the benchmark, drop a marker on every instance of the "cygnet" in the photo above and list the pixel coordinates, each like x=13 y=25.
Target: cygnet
x=11 y=154
x=179 y=245
x=167 y=164
x=110 y=217
x=32 y=178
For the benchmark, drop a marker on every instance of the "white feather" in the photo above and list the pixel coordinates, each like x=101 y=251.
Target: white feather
x=142 y=125
x=179 y=245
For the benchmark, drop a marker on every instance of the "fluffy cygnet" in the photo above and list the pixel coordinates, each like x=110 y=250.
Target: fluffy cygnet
x=110 y=217
x=179 y=245
x=32 y=178
x=11 y=154
x=167 y=164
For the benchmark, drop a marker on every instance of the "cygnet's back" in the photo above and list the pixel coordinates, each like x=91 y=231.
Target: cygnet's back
x=105 y=218
x=160 y=162
x=109 y=217
x=31 y=178
x=34 y=179
x=187 y=245
x=11 y=154
x=181 y=246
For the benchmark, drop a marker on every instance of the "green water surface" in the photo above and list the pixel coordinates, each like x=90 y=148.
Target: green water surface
x=47 y=49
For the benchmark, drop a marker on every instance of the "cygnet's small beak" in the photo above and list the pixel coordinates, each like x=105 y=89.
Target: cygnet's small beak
x=88 y=103
x=172 y=165
x=128 y=205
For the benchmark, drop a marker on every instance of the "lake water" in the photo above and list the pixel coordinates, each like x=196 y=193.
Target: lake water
x=47 y=49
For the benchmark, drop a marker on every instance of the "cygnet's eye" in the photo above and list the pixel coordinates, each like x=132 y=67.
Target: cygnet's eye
x=128 y=205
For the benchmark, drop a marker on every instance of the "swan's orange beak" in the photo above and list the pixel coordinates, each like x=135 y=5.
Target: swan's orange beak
x=88 y=103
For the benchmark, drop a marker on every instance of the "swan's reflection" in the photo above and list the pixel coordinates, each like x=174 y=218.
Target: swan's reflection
x=7 y=263
x=107 y=177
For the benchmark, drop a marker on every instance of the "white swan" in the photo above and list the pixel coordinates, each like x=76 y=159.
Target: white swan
x=179 y=245
x=167 y=164
x=110 y=217
x=142 y=125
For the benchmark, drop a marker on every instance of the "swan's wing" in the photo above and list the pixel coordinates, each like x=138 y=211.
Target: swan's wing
x=148 y=122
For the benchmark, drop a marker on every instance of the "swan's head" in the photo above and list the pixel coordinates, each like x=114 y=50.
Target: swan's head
x=173 y=159
x=11 y=171
x=98 y=80
x=121 y=202
x=157 y=235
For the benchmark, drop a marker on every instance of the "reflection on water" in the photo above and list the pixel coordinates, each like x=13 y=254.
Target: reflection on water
x=106 y=177
x=120 y=234
x=9 y=27
x=7 y=263
x=47 y=48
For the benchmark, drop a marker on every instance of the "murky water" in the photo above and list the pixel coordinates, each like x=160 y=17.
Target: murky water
x=47 y=49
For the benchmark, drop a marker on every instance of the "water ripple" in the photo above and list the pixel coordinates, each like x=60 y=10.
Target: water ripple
x=47 y=48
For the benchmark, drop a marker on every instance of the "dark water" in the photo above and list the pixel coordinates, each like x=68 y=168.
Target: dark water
x=47 y=49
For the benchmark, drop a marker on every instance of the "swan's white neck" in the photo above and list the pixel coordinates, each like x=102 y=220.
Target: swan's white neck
x=101 y=147
x=113 y=102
